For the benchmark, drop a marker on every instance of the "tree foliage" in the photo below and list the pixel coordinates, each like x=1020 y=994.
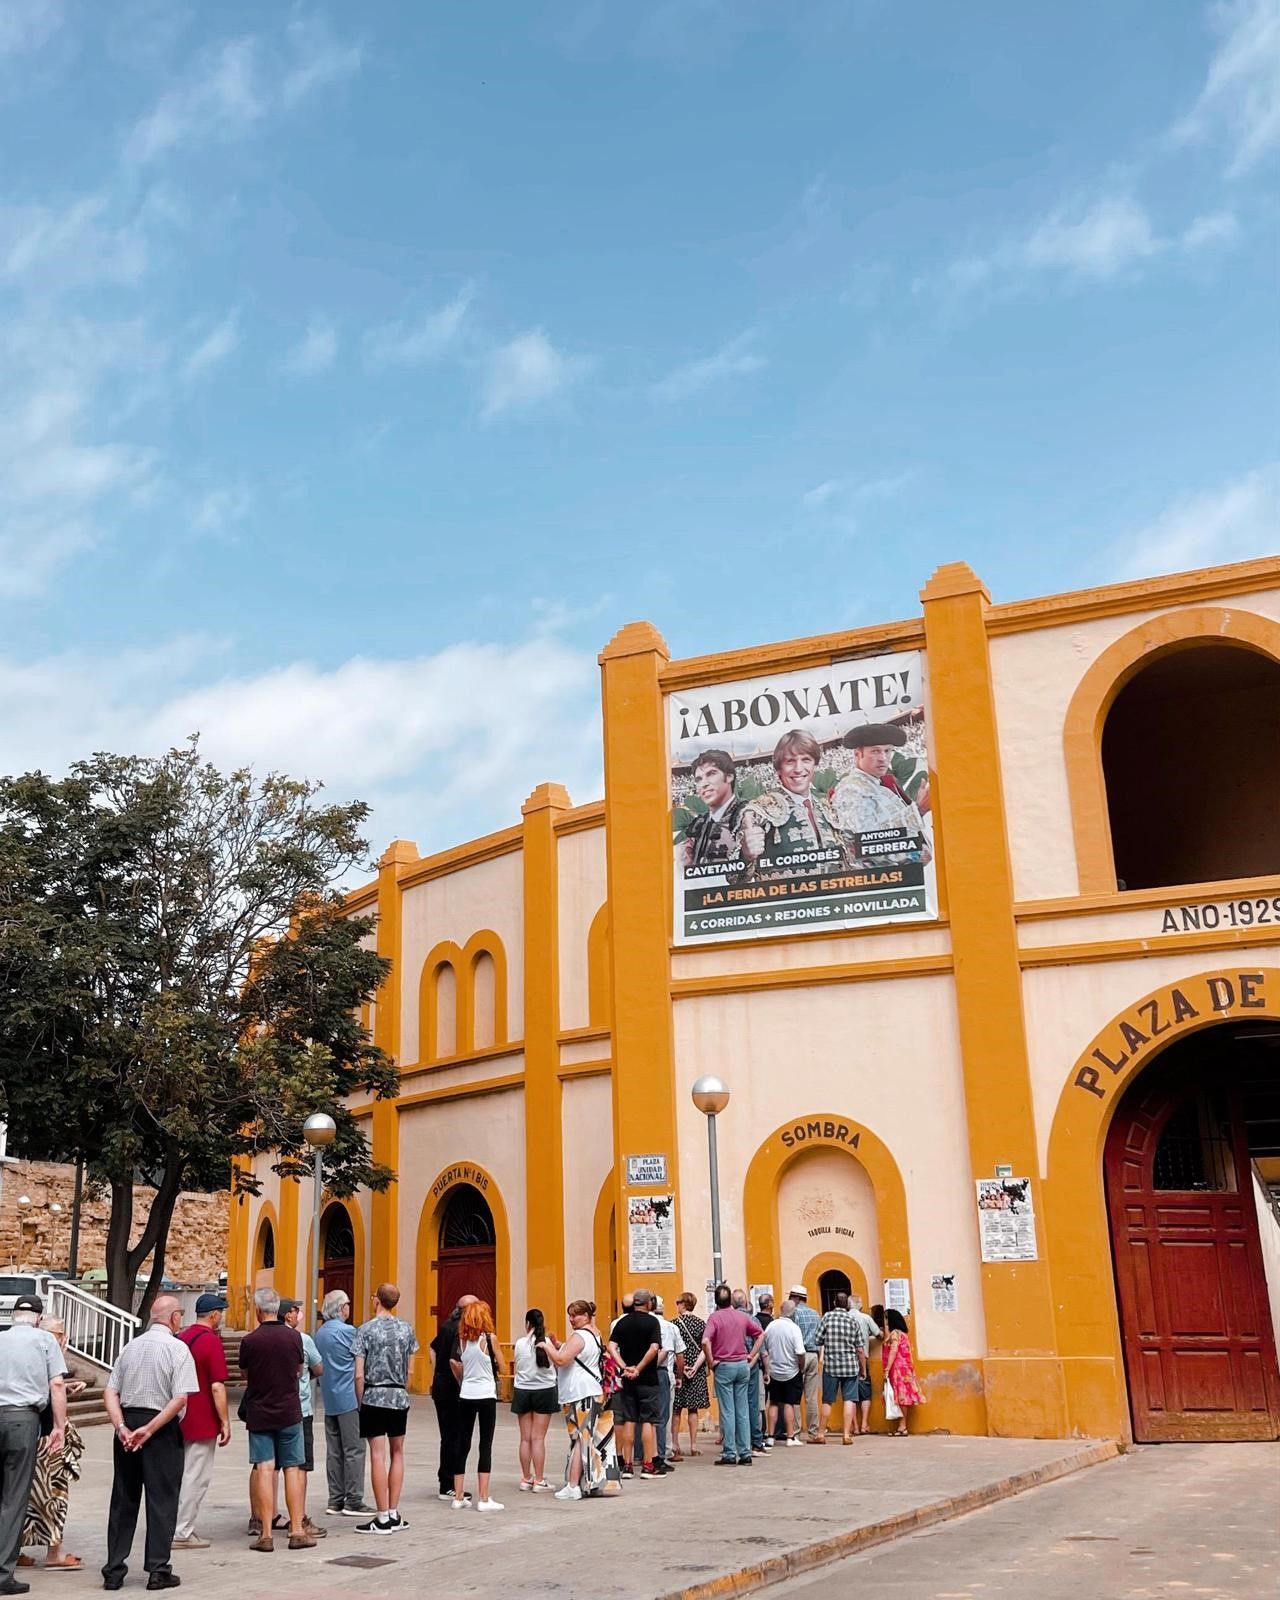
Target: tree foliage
x=180 y=983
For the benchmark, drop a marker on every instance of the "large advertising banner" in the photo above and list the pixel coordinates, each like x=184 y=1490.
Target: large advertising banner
x=802 y=801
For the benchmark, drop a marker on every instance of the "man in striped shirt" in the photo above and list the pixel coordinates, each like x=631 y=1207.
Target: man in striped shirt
x=146 y=1394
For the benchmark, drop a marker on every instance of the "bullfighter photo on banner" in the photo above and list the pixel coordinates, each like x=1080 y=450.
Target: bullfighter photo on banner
x=801 y=801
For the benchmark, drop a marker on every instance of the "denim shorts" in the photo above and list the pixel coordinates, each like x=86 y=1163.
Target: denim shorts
x=282 y=1446
x=849 y=1389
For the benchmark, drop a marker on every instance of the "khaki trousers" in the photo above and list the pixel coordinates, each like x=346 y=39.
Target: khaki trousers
x=814 y=1419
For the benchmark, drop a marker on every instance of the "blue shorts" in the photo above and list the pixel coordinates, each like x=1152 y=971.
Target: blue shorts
x=282 y=1446
x=851 y=1390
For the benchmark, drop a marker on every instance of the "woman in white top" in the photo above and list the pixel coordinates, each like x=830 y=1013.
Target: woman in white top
x=534 y=1399
x=592 y=1467
x=476 y=1365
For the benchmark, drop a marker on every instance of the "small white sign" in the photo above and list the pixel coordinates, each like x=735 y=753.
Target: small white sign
x=646 y=1169
x=758 y=1292
x=897 y=1295
x=943 y=1286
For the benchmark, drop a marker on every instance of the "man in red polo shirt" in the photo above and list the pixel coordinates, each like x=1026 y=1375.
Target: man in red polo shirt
x=205 y=1424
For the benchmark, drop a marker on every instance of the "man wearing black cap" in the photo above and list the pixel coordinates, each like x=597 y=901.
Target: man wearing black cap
x=31 y=1376
x=869 y=798
x=205 y=1423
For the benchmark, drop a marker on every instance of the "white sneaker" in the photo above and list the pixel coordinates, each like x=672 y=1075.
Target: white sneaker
x=570 y=1491
x=459 y=1505
x=794 y=1444
x=489 y=1505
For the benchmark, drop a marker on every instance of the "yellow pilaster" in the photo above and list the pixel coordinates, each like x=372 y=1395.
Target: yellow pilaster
x=638 y=846
x=238 y=1246
x=384 y=1133
x=286 y=1270
x=1025 y=1389
x=543 y=1137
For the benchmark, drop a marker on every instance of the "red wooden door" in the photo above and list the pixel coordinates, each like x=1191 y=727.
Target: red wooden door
x=341 y=1274
x=1198 y=1342
x=460 y=1272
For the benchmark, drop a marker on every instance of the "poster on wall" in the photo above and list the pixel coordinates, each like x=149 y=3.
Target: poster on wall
x=651 y=1233
x=801 y=800
x=1006 y=1219
x=943 y=1288
x=759 y=1292
x=897 y=1295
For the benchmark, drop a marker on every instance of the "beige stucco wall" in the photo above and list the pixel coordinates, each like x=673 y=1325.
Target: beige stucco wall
x=884 y=1055
x=586 y=1120
x=827 y=1205
x=488 y=1132
x=488 y=895
x=1066 y=1007
x=582 y=877
x=1035 y=675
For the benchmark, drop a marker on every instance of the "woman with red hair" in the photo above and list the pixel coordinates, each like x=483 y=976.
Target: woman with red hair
x=476 y=1365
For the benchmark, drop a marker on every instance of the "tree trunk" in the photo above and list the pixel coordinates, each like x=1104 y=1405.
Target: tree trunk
x=119 y=1271
x=155 y=1233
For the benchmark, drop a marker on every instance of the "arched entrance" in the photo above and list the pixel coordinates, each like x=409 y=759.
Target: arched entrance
x=831 y=1283
x=264 y=1253
x=466 y=1252
x=1187 y=1209
x=338 y=1253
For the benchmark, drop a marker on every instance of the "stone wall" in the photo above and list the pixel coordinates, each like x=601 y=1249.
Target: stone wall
x=39 y=1237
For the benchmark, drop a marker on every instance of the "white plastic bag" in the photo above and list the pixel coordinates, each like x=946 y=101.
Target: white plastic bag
x=892 y=1410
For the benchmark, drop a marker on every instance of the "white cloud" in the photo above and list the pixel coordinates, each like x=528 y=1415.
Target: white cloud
x=221 y=100
x=1089 y=241
x=1235 y=522
x=219 y=343
x=1240 y=100
x=28 y=24
x=416 y=343
x=55 y=482
x=1104 y=239
x=1214 y=230
x=240 y=84
x=843 y=502
x=733 y=360
x=216 y=511
x=317 y=59
x=431 y=741
x=59 y=247
x=526 y=373
x=315 y=352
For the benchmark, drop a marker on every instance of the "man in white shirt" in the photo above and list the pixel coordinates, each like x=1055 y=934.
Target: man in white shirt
x=670 y=1372
x=784 y=1351
x=32 y=1374
x=870 y=1330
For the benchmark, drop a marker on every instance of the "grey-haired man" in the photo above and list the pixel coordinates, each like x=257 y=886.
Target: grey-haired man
x=32 y=1374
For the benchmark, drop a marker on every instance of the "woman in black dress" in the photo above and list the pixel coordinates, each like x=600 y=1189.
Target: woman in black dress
x=691 y=1393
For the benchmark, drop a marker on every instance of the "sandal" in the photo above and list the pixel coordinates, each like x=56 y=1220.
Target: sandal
x=64 y=1564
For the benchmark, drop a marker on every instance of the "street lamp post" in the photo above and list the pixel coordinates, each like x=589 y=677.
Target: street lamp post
x=318 y=1130
x=711 y=1095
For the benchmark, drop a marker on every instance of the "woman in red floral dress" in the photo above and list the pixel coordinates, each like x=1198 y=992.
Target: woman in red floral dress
x=899 y=1369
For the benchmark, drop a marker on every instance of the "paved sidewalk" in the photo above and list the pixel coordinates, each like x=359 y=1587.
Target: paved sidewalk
x=1201 y=1520
x=687 y=1532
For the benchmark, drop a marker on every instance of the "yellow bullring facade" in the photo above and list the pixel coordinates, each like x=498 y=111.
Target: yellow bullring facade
x=1001 y=1022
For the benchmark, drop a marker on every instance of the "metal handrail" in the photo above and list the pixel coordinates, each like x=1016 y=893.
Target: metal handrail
x=96 y=1330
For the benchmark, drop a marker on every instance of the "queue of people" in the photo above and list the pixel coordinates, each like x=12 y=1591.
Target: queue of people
x=622 y=1395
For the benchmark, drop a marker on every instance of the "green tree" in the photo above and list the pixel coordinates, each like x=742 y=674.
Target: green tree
x=180 y=983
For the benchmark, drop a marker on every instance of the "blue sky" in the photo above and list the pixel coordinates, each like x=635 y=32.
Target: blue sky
x=364 y=368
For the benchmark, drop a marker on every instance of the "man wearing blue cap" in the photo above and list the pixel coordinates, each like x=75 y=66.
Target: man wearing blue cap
x=205 y=1423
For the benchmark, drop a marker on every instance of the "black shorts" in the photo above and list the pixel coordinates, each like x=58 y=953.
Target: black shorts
x=541 y=1402
x=637 y=1402
x=379 y=1422
x=309 y=1444
x=786 y=1391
